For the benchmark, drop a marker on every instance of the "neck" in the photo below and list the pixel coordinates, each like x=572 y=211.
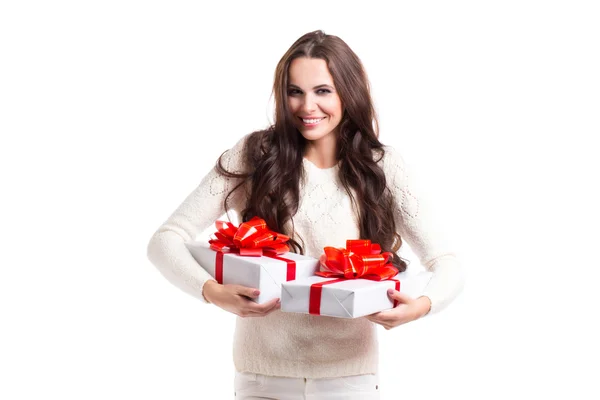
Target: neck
x=322 y=152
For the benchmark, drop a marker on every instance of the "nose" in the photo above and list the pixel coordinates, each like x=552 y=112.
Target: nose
x=309 y=104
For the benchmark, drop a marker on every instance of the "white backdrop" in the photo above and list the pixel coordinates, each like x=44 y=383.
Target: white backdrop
x=111 y=112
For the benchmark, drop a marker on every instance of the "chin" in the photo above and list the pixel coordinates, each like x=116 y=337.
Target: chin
x=312 y=135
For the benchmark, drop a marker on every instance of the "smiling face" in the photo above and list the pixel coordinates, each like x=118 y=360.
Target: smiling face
x=312 y=99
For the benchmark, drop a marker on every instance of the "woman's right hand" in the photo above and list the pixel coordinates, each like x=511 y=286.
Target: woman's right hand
x=235 y=299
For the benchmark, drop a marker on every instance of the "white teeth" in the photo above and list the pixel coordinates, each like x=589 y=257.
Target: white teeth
x=311 y=121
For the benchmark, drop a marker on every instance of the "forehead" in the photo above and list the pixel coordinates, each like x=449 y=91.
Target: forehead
x=309 y=72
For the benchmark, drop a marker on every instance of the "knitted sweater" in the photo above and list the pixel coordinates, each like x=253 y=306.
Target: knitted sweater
x=303 y=345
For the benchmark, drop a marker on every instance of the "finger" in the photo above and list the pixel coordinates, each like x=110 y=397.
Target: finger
x=400 y=296
x=249 y=313
x=383 y=317
x=246 y=291
x=277 y=306
x=375 y=321
x=378 y=320
x=373 y=317
x=322 y=260
x=261 y=308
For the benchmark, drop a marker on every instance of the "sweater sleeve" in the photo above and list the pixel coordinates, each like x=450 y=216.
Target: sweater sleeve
x=167 y=250
x=419 y=228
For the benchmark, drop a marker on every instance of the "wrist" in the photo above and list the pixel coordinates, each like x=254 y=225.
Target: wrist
x=208 y=290
x=424 y=305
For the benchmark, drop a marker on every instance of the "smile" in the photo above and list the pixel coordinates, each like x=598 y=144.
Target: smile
x=311 y=121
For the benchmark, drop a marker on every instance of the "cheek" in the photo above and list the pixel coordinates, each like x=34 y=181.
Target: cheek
x=293 y=104
x=333 y=108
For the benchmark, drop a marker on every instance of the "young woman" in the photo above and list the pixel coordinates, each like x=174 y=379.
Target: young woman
x=321 y=176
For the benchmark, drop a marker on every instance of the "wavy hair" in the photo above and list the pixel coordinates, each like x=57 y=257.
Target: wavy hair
x=277 y=152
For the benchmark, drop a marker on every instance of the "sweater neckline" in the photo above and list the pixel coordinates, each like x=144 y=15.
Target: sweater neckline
x=312 y=166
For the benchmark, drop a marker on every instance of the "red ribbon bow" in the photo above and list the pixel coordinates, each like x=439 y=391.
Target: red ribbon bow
x=361 y=259
x=249 y=239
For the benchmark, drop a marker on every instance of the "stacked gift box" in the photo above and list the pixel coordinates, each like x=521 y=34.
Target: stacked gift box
x=350 y=283
x=252 y=255
x=347 y=298
x=353 y=283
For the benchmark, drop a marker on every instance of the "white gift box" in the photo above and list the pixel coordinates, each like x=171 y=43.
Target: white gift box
x=263 y=273
x=350 y=298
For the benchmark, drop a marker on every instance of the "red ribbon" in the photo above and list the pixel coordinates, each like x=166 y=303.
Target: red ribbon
x=290 y=272
x=291 y=265
x=253 y=239
x=249 y=239
x=397 y=289
x=361 y=259
x=314 y=301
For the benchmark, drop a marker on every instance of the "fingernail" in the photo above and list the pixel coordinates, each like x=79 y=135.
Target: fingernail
x=390 y=291
x=256 y=292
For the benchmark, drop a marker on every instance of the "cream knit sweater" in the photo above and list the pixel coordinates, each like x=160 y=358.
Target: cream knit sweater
x=302 y=345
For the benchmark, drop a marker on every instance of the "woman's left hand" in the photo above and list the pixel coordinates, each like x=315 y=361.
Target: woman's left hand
x=408 y=309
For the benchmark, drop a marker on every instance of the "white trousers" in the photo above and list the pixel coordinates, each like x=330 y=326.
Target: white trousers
x=255 y=386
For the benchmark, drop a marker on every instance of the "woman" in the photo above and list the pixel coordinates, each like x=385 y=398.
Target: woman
x=321 y=176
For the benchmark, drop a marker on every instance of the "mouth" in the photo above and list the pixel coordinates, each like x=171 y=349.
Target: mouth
x=308 y=122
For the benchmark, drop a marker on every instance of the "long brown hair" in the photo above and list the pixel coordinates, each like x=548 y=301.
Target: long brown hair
x=277 y=152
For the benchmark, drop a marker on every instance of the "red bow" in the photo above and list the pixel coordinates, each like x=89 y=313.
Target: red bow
x=361 y=259
x=249 y=239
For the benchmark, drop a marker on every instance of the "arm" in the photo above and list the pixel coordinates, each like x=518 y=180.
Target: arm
x=419 y=228
x=166 y=249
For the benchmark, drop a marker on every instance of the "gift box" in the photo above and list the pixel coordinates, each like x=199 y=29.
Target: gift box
x=353 y=283
x=253 y=256
x=347 y=298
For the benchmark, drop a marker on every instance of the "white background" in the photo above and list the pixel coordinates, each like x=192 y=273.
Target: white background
x=111 y=112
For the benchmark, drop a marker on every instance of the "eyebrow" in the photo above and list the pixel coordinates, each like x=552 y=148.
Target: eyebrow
x=316 y=87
